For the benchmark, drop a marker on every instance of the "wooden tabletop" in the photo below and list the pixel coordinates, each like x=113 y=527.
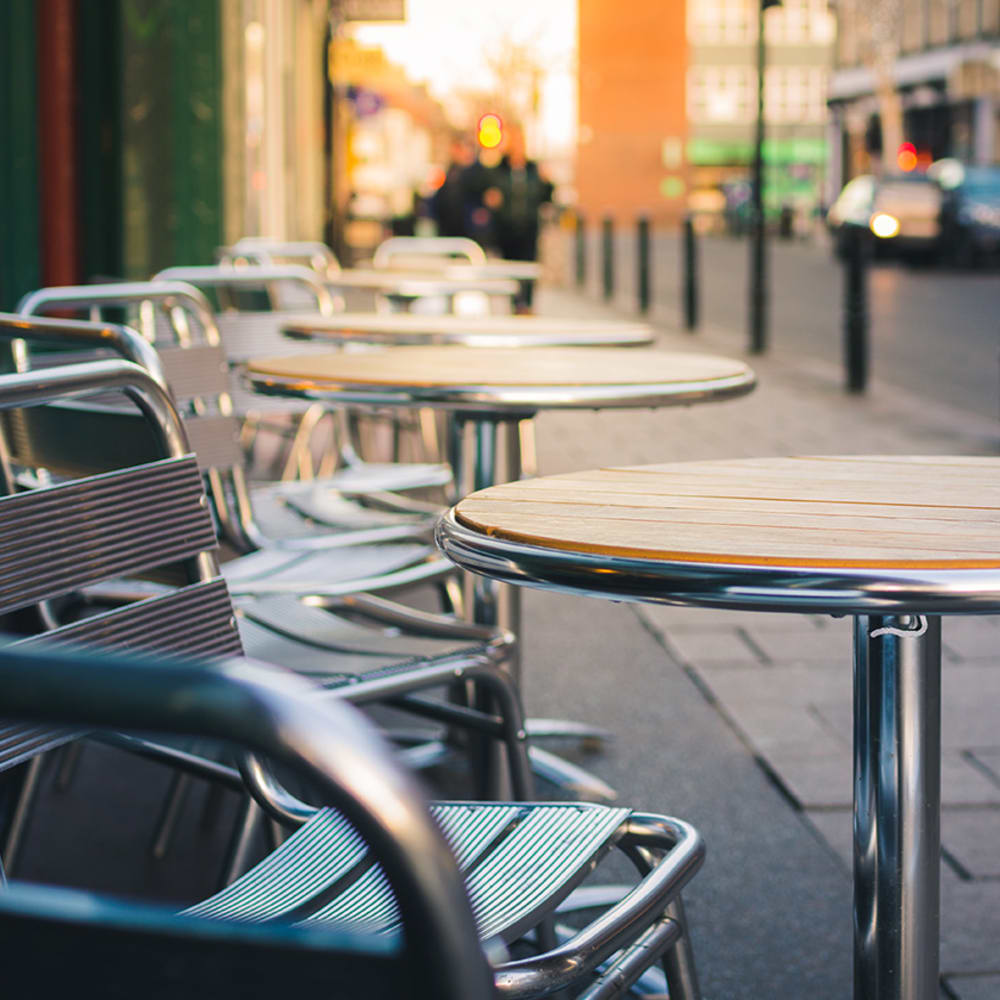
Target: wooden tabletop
x=504 y=381
x=471 y=331
x=896 y=512
x=539 y=367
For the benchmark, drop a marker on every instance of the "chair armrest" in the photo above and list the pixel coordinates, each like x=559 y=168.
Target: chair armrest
x=271 y=712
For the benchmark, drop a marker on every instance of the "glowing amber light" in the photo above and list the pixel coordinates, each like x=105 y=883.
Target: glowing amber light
x=490 y=131
x=906 y=157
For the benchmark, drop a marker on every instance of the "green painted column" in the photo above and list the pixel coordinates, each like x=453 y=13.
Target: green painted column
x=20 y=256
x=171 y=133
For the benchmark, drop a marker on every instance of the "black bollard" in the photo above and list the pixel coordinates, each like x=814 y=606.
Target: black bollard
x=689 y=269
x=644 y=263
x=581 y=251
x=856 y=310
x=608 y=242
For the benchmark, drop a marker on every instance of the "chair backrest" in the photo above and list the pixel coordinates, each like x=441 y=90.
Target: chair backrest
x=192 y=365
x=104 y=433
x=251 y=276
x=114 y=948
x=400 y=251
x=143 y=521
x=269 y=252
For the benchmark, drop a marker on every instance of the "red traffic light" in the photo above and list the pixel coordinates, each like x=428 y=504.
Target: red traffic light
x=906 y=157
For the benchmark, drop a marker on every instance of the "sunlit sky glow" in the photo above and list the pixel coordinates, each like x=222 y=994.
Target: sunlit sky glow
x=443 y=41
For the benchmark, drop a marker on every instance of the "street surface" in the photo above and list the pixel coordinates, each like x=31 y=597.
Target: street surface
x=935 y=332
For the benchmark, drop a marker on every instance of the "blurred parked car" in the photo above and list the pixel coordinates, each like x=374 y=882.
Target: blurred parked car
x=899 y=215
x=970 y=219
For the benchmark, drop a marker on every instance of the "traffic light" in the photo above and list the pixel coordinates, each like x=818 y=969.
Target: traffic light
x=489 y=131
x=906 y=157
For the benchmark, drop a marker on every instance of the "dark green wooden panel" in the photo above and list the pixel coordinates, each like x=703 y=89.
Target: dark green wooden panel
x=171 y=132
x=197 y=131
x=20 y=250
x=99 y=60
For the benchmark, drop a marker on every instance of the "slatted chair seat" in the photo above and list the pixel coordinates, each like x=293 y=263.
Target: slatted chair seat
x=518 y=861
x=310 y=511
x=336 y=571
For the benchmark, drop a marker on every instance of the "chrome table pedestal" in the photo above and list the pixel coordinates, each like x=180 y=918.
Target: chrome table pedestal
x=897 y=807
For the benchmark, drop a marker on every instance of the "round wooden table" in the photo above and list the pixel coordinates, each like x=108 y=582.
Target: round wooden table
x=409 y=329
x=491 y=390
x=895 y=541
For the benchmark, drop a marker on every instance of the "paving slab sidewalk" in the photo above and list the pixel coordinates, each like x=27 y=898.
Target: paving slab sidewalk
x=779 y=685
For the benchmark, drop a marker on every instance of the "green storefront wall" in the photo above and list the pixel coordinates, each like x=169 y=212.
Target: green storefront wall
x=149 y=139
x=20 y=250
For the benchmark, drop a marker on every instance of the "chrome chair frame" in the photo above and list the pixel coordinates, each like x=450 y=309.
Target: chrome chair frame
x=428 y=246
x=267 y=712
x=200 y=382
x=270 y=715
x=473 y=654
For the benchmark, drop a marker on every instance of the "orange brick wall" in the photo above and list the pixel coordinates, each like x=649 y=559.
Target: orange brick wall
x=632 y=67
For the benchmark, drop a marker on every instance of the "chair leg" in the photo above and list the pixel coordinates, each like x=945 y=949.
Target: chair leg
x=69 y=759
x=180 y=785
x=452 y=598
x=678 y=962
x=22 y=813
x=210 y=808
x=503 y=693
x=239 y=855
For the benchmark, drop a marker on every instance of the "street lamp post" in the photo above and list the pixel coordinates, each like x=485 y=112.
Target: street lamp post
x=758 y=254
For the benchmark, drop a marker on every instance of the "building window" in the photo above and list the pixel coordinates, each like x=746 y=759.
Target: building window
x=728 y=94
x=795 y=95
x=715 y=22
x=796 y=22
x=721 y=94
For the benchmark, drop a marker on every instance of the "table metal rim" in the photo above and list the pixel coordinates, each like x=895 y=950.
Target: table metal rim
x=834 y=590
x=471 y=338
x=501 y=400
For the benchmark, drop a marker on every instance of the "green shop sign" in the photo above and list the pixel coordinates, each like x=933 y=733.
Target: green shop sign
x=715 y=152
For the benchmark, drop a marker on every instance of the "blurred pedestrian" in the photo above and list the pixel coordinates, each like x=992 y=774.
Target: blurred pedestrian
x=519 y=190
x=449 y=203
x=457 y=205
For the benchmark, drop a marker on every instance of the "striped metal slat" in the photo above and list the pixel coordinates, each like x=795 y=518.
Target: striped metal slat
x=471 y=829
x=543 y=860
x=196 y=621
x=536 y=864
x=197 y=372
x=249 y=335
x=326 y=851
x=322 y=852
x=214 y=438
x=20 y=742
x=60 y=539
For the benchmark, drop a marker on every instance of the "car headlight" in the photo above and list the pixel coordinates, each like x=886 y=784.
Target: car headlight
x=884 y=225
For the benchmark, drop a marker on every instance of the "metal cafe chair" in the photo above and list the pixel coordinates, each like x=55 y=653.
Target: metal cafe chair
x=177 y=310
x=249 y=334
x=522 y=860
x=374 y=895
x=270 y=252
x=406 y=251
x=73 y=542
x=313 y=544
